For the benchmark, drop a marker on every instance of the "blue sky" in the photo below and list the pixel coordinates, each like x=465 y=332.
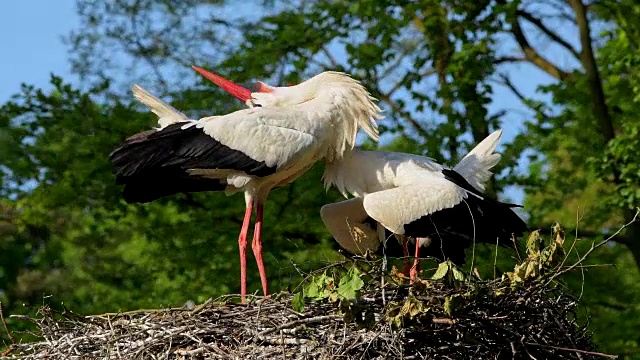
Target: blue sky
x=31 y=41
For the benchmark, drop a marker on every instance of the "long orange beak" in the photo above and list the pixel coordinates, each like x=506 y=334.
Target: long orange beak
x=239 y=92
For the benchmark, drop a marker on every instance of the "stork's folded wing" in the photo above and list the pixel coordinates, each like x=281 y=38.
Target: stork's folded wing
x=397 y=207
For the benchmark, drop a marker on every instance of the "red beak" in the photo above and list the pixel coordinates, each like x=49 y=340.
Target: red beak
x=241 y=93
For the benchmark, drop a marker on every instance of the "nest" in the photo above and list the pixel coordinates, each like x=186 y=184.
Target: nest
x=360 y=312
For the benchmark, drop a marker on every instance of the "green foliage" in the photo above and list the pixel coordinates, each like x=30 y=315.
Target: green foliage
x=323 y=286
x=350 y=284
x=447 y=270
x=400 y=313
x=540 y=258
x=434 y=66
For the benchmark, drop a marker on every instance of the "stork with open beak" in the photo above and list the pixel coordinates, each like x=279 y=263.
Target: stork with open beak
x=441 y=209
x=251 y=150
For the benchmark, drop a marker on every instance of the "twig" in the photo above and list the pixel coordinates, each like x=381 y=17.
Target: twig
x=6 y=328
x=594 y=247
x=575 y=350
x=491 y=322
x=200 y=307
x=552 y=35
x=330 y=57
x=132 y=312
x=414 y=123
x=300 y=322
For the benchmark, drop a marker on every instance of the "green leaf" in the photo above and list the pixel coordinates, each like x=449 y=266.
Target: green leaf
x=533 y=243
x=312 y=290
x=457 y=274
x=350 y=284
x=442 y=271
x=412 y=307
x=297 y=302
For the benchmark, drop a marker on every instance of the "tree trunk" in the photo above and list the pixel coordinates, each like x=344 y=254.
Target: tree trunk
x=601 y=111
x=602 y=115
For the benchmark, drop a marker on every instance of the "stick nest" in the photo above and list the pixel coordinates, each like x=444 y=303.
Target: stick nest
x=370 y=315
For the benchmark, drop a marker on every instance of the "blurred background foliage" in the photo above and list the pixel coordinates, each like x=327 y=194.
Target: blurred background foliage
x=441 y=70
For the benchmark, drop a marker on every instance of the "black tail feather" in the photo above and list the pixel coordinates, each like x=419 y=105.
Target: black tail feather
x=156 y=163
x=146 y=188
x=182 y=149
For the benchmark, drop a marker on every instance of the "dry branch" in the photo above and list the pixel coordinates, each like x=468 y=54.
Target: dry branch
x=523 y=314
x=483 y=324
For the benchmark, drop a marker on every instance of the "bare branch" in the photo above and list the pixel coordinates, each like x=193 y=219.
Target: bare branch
x=6 y=328
x=511 y=86
x=392 y=67
x=399 y=84
x=532 y=55
x=332 y=59
x=402 y=54
x=299 y=322
x=596 y=246
x=145 y=55
x=577 y=351
x=578 y=233
x=508 y=83
x=504 y=59
x=417 y=127
x=552 y=35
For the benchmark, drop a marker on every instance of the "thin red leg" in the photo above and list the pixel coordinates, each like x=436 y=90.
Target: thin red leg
x=256 y=245
x=416 y=262
x=405 y=257
x=242 y=244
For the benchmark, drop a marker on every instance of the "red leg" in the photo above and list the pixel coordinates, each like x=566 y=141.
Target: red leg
x=405 y=256
x=416 y=262
x=256 y=245
x=242 y=244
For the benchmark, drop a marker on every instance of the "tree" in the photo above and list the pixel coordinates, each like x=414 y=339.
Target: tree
x=436 y=66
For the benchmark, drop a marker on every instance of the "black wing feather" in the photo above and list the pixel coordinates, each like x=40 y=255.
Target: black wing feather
x=454 y=229
x=153 y=164
x=190 y=148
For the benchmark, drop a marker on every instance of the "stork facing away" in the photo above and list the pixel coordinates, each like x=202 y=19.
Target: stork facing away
x=251 y=150
x=442 y=209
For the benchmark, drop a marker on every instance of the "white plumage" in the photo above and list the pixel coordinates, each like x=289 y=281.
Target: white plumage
x=251 y=150
x=413 y=196
x=415 y=183
x=167 y=114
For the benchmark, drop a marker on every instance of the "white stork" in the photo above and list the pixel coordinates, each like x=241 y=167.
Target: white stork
x=251 y=150
x=415 y=197
x=439 y=208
